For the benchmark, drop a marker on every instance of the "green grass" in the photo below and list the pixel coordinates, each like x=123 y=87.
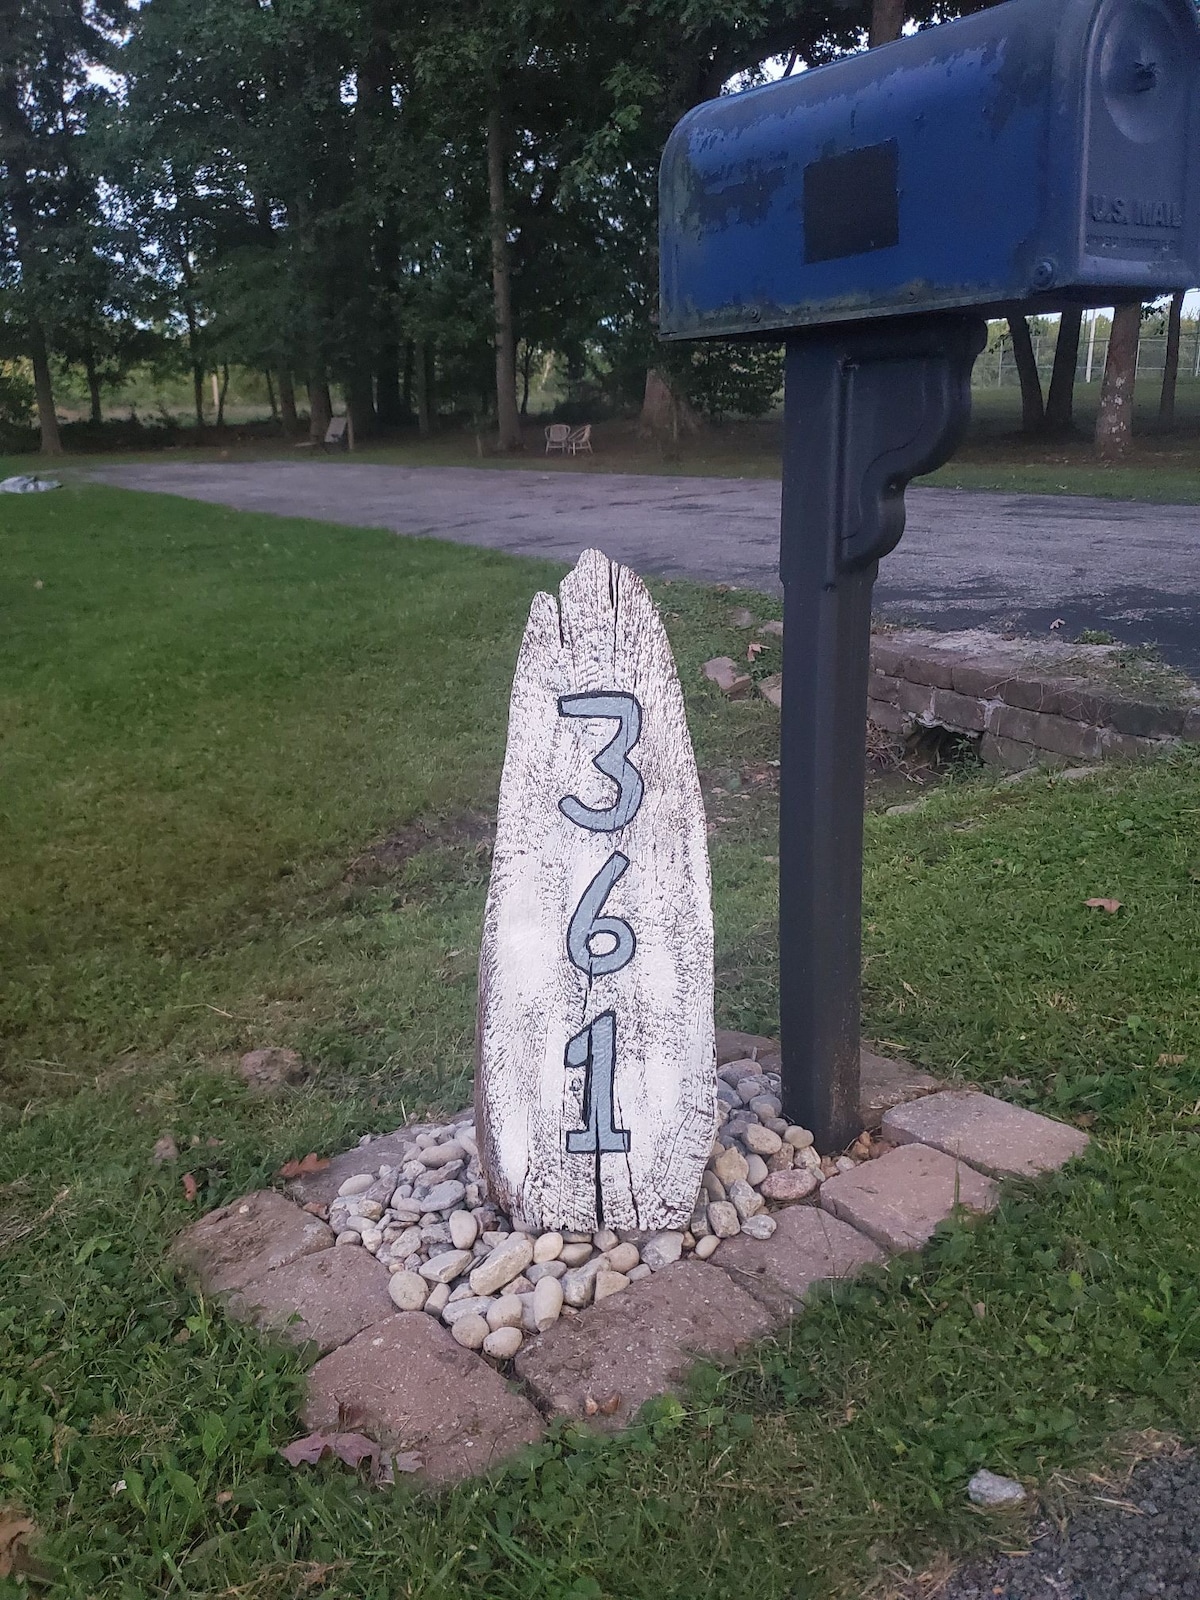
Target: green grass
x=207 y=719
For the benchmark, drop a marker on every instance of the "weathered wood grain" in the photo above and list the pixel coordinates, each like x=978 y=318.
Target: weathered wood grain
x=637 y=863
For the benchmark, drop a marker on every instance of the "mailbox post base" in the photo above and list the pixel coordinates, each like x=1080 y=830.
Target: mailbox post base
x=867 y=408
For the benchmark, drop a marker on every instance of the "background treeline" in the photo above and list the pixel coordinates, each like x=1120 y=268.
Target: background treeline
x=423 y=209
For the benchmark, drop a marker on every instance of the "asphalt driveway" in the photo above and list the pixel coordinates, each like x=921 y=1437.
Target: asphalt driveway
x=968 y=559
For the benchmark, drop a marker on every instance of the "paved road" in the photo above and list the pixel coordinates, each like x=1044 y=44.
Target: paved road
x=969 y=558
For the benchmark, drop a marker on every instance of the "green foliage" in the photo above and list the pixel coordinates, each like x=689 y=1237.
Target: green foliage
x=723 y=379
x=303 y=188
x=55 y=242
x=16 y=395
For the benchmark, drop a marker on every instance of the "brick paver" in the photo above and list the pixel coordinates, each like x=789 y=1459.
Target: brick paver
x=327 y=1297
x=898 y=1200
x=407 y=1384
x=1004 y=1140
x=639 y=1343
x=239 y=1243
x=808 y=1247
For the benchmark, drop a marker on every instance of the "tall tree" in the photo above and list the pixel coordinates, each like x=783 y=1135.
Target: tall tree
x=508 y=421
x=887 y=21
x=49 y=53
x=1060 y=405
x=1166 y=404
x=1114 y=424
x=1033 y=409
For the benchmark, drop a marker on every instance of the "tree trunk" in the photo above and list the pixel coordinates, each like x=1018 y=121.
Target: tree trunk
x=197 y=366
x=887 y=21
x=44 y=389
x=93 y=383
x=271 y=395
x=360 y=407
x=287 y=404
x=389 y=405
x=665 y=414
x=526 y=373
x=508 y=423
x=424 y=416
x=1060 y=407
x=320 y=409
x=221 y=393
x=1114 y=425
x=1033 y=410
x=406 y=383
x=1166 y=404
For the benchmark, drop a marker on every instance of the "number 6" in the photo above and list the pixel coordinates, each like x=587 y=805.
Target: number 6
x=587 y=922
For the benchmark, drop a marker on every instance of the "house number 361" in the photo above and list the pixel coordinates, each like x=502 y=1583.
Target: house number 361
x=597 y=944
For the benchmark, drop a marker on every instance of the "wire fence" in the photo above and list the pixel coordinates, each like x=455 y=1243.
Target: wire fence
x=997 y=368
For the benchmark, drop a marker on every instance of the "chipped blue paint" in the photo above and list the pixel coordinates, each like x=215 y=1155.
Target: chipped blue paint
x=1015 y=131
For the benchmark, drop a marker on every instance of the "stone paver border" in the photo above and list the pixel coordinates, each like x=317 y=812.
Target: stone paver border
x=410 y=1381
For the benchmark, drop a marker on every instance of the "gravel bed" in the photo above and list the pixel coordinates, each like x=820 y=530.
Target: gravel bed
x=453 y=1253
x=1141 y=1540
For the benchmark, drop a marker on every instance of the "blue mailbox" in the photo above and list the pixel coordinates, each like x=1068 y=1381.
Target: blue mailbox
x=1039 y=152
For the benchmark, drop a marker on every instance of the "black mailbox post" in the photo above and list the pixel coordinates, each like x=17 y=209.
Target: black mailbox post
x=873 y=213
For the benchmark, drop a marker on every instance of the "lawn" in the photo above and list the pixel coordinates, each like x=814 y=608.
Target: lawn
x=207 y=722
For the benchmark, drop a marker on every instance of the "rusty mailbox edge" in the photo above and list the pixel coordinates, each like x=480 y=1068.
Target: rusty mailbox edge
x=1034 y=154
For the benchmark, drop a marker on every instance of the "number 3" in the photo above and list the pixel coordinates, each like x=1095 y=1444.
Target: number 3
x=613 y=761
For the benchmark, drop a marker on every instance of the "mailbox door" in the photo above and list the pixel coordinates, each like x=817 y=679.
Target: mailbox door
x=1140 y=222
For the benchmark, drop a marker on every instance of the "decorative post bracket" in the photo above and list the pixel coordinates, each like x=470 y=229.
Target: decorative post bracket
x=868 y=407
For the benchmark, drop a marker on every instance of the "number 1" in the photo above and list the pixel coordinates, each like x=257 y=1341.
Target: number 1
x=595 y=1049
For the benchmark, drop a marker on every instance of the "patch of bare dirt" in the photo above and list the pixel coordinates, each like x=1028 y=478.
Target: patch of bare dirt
x=388 y=857
x=897 y=769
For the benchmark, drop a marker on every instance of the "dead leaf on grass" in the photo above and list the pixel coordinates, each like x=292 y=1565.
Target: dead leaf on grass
x=1171 y=1061
x=308 y=1164
x=754 y=649
x=15 y=1531
x=165 y=1149
x=190 y=1189
x=401 y=1461
x=1101 y=904
x=353 y=1449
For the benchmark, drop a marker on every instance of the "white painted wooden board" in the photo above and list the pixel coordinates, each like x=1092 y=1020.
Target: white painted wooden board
x=574 y=845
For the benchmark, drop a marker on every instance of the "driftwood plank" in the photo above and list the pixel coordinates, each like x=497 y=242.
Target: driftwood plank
x=594 y=1073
